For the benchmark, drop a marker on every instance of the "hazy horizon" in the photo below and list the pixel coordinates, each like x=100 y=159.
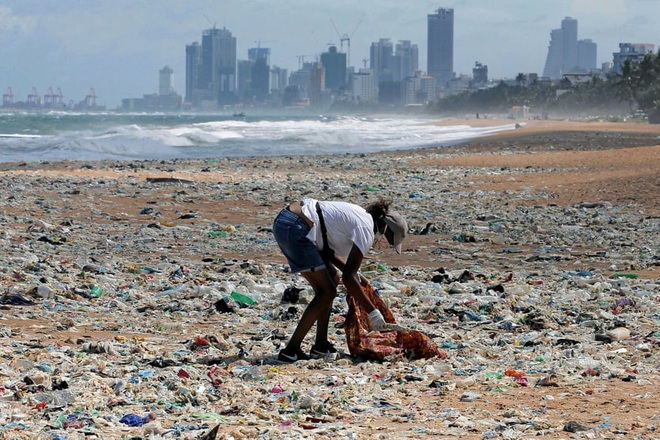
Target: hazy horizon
x=117 y=47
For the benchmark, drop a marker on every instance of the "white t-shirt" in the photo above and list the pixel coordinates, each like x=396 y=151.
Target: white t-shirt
x=346 y=224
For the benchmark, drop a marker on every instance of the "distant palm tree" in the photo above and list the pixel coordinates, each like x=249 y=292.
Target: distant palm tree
x=625 y=84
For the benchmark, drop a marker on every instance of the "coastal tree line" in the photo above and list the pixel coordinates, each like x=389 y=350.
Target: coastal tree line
x=636 y=90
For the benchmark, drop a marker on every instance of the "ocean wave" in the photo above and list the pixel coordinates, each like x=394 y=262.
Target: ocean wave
x=139 y=136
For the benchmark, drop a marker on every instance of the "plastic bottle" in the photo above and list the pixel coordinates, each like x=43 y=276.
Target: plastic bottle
x=96 y=292
x=242 y=299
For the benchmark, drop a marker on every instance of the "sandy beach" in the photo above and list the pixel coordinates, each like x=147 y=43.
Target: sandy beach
x=563 y=216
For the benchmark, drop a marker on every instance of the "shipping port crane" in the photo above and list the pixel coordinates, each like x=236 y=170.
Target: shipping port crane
x=8 y=98
x=33 y=98
x=52 y=99
x=90 y=99
x=49 y=97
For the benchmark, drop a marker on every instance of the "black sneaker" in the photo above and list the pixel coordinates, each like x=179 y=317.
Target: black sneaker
x=291 y=358
x=327 y=351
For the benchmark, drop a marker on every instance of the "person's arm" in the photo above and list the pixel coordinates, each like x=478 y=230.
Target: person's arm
x=338 y=262
x=332 y=264
x=351 y=278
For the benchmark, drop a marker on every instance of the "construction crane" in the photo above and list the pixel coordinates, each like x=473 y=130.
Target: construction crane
x=346 y=37
x=213 y=23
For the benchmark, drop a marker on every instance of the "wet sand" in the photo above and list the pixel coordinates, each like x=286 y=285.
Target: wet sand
x=540 y=203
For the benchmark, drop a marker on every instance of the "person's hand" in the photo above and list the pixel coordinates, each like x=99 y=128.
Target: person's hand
x=378 y=323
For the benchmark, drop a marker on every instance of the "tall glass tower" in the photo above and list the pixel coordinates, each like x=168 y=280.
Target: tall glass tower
x=563 y=50
x=218 y=70
x=569 y=27
x=587 y=55
x=440 y=42
x=554 y=61
x=380 y=59
x=260 y=72
x=405 y=61
x=193 y=63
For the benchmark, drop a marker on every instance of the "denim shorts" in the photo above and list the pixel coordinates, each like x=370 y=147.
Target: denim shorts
x=291 y=235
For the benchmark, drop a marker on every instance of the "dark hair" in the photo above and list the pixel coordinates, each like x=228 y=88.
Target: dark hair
x=379 y=210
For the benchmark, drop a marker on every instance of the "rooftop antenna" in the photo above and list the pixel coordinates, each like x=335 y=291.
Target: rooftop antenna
x=346 y=37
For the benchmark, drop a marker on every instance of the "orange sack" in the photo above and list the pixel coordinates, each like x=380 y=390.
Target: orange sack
x=411 y=344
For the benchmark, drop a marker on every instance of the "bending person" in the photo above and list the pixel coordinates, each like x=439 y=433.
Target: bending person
x=321 y=238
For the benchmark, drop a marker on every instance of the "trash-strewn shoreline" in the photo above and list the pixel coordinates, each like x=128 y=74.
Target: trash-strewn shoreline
x=532 y=262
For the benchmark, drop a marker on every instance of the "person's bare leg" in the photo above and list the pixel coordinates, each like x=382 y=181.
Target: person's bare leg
x=318 y=311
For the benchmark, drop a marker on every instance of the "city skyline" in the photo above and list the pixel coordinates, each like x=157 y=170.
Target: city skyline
x=119 y=47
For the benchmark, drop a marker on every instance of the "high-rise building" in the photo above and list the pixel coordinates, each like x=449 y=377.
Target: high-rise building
x=214 y=77
x=278 y=78
x=554 y=62
x=193 y=63
x=259 y=58
x=587 y=55
x=479 y=74
x=244 y=78
x=440 y=42
x=564 y=51
x=380 y=59
x=165 y=81
x=405 y=61
x=334 y=63
x=316 y=84
x=301 y=77
x=428 y=89
x=410 y=90
x=365 y=89
x=257 y=53
x=569 y=27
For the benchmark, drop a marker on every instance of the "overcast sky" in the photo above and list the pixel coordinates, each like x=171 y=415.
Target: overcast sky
x=118 y=46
